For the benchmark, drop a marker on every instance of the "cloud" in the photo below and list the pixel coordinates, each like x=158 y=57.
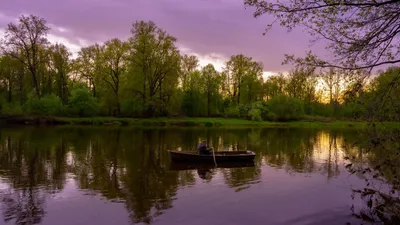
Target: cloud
x=212 y=29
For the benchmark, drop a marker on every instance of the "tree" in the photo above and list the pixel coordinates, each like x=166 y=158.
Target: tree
x=88 y=64
x=362 y=34
x=192 y=100
x=60 y=66
x=237 y=69
x=24 y=41
x=115 y=53
x=274 y=86
x=155 y=61
x=210 y=84
x=385 y=90
x=333 y=80
x=252 y=83
x=301 y=85
x=188 y=65
x=298 y=82
x=8 y=72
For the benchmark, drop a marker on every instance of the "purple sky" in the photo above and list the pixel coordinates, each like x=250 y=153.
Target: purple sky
x=212 y=29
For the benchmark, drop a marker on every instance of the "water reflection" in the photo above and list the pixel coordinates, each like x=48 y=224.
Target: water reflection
x=132 y=166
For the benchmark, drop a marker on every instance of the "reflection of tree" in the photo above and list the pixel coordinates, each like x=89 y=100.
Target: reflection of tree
x=241 y=178
x=26 y=166
x=149 y=186
x=24 y=206
x=132 y=165
x=332 y=166
x=376 y=160
x=300 y=150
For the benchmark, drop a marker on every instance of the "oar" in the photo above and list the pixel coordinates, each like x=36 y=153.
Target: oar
x=214 y=157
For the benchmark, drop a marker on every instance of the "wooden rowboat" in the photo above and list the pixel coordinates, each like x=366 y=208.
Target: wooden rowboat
x=209 y=165
x=220 y=156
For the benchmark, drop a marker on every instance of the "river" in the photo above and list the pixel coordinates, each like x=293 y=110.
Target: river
x=99 y=176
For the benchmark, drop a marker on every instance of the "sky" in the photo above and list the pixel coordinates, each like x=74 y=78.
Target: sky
x=213 y=30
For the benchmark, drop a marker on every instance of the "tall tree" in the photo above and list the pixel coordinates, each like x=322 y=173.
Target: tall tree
x=155 y=60
x=8 y=72
x=275 y=85
x=60 y=66
x=361 y=34
x=115 y=53
x=24 y=41
x=210 y=84
x=237 y=69
x=253 y=82
x=188 y=65
x=89 y=64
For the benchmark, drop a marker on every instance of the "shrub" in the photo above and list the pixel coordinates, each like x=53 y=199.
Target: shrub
x=11 y=109
x=286 y=108
x=262 y=108
x=243 y=111
x=271 y=116
x=193 y=104
x=48 y=105
x=232 y=112
x=255 y=114
x=82 y=103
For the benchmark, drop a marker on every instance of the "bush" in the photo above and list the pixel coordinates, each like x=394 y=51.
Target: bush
x=11 y=109
x=231 y=112
x=262 y=108
x=271 y=116
x=353 y=110
x=48 y=105
x=82 y=103
x=286 y=108
x=193 y=104
x=255 y=114
x=243 y=111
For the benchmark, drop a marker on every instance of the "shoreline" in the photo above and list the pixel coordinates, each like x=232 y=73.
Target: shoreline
x=184 y=122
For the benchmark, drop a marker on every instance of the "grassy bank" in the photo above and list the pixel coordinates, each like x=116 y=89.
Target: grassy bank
x=185 y=122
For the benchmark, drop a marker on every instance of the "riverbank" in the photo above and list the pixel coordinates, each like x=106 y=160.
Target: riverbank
x=310 y=122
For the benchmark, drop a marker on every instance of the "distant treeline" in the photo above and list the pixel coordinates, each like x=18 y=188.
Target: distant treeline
x=146 y=76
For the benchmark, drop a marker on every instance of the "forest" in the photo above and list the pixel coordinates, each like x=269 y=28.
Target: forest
x=147 y=76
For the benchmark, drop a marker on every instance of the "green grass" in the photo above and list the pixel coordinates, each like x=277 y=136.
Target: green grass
x=314 y=122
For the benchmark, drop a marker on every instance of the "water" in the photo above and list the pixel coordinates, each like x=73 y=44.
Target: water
x=99 y=176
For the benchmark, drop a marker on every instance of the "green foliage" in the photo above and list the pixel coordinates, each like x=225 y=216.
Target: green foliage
x=243 y=111
x=48 y=105
x=82 y=103
x=11 y=109
x=286 y=108
x=146 y=76
x=263 y=108
x=255 y=114
x=193 y=104
x=384 y=100
x=231 y=112
x=353 y=110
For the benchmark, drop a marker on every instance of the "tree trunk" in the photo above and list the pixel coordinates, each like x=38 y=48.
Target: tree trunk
x=208 y=103
x=144 y=99
x=238 y=95
x=94 y=89
x=20 y=83
x=9 y=91
x=35 y=83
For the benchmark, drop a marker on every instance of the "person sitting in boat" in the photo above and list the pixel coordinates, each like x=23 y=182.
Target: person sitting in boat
x=203 y=149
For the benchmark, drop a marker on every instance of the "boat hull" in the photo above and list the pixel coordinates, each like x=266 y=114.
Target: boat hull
x=209 y=165
x=222 y=156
